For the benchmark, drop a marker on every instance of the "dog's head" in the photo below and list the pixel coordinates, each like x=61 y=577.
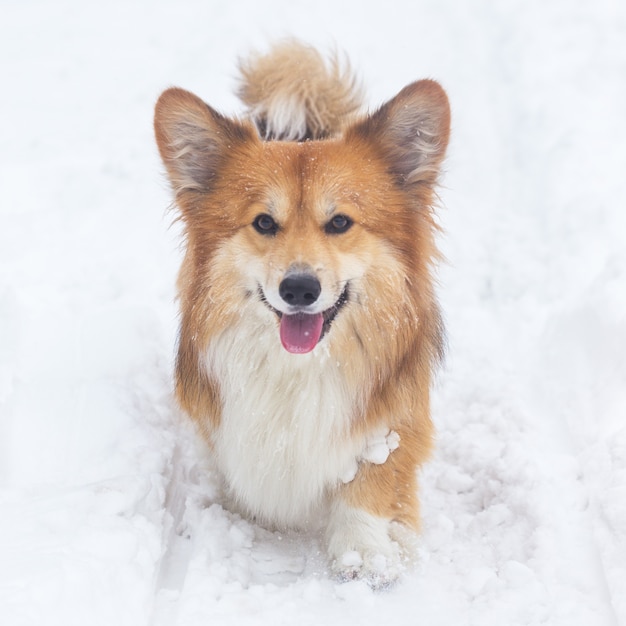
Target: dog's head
x=304 y=233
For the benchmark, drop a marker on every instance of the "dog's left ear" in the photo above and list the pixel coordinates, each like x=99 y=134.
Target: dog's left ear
x=412 y=132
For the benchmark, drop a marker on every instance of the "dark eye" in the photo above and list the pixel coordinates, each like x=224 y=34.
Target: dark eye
x=265 y=224
x=339 y=224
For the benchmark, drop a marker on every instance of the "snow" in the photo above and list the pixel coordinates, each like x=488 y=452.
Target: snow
x=380 y=445
x=108 y=512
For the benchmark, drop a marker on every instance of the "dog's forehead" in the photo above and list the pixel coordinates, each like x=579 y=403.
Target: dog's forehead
x=287 y=202
x=312 y=159
x=307 y=178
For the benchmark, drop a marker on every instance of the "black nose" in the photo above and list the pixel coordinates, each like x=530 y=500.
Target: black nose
x=300 y=289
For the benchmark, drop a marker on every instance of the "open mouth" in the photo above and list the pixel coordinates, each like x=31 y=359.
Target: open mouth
x=300 y=332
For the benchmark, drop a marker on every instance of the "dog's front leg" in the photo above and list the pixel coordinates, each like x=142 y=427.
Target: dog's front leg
x=364 y=511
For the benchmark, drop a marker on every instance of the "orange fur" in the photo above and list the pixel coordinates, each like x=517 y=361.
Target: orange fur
x=380 y=171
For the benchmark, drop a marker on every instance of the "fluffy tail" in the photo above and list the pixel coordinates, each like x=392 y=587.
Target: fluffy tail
x=292 y=94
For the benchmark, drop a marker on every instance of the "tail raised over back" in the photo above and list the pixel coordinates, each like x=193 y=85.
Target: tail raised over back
x=294 y=94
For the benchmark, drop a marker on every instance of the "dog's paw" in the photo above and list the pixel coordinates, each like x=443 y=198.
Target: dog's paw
x=360 y=547
x=379 y=571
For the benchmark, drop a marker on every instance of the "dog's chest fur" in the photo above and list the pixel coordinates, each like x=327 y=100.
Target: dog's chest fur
x=284 y=435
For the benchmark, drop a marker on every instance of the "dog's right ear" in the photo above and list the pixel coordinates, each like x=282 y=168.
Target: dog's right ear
x=193 y=139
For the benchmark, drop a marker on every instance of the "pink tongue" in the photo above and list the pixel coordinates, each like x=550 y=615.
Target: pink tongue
x=300 y=333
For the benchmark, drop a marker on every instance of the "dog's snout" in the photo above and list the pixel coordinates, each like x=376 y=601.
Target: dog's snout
x=300 y=289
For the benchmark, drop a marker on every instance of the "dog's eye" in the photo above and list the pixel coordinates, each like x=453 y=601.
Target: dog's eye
x=339 y=224
x=265 y=224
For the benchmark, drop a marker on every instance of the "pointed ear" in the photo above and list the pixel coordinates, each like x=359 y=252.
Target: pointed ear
x=193 y=139
x=412 y=130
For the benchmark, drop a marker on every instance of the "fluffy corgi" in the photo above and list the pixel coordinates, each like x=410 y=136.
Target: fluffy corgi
x=309 y=324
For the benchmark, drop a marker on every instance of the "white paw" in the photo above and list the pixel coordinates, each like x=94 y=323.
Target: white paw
x=379 y=571
x=360 y=547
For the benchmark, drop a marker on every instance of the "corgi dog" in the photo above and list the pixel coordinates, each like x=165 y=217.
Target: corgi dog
x=310 y=328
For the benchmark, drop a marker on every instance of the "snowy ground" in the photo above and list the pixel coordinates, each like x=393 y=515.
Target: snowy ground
x=107 y=515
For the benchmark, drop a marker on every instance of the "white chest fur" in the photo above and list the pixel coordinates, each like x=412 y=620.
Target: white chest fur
x=283 y=440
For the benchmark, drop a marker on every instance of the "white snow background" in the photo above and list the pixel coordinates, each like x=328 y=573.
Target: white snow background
x=107 y=513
